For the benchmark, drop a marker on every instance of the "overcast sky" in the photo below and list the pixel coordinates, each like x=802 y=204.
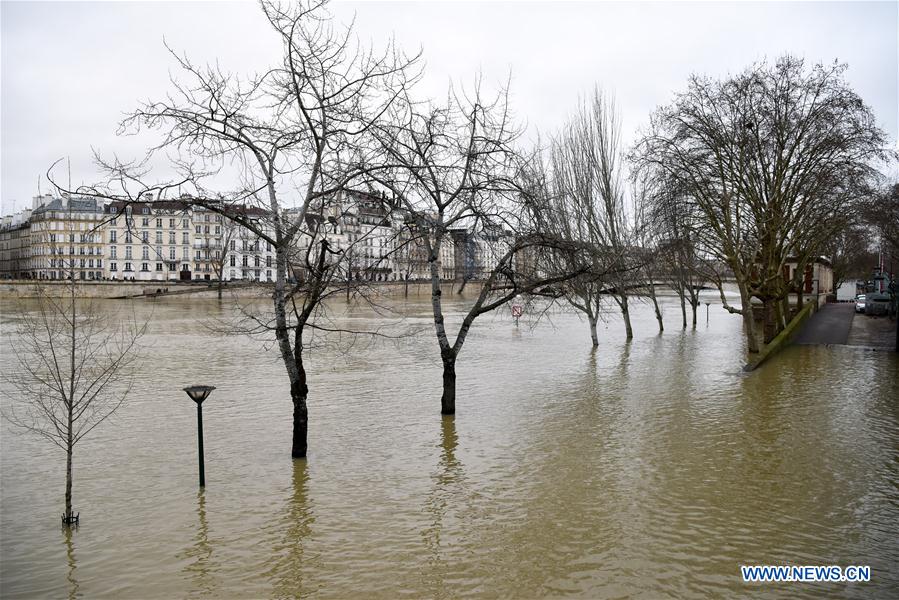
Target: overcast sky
x=71 y=69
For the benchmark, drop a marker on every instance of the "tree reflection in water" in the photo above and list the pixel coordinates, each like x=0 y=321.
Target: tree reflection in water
x=447 y=492
x=70 y=559
x=290 y=559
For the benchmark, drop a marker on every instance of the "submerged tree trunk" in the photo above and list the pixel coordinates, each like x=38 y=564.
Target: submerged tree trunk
x=448 y=399
x=683 y=306
x=694 y=305
x=298 y=393
x=69 y=515
x=591 y=317
x=625 y=312
x=655 y=305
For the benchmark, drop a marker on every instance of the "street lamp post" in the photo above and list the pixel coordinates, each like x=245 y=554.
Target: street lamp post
x=198 y=393
x=707 y=312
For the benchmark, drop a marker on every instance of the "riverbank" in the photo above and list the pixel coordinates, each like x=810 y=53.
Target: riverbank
x=113 y=290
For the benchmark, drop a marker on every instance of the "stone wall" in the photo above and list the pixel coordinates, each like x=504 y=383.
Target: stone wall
x=120 y=289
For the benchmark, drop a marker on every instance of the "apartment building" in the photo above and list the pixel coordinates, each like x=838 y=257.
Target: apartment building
x=246 y=256
x=66 y=239
x=15 y=246
x=148 y=241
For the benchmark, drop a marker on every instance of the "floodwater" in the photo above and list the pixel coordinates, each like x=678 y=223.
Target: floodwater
x=649 y=469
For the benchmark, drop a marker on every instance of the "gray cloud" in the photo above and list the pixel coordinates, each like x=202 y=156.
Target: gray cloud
x=70 y=70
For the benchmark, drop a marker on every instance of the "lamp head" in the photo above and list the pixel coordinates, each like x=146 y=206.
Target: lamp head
x=198 y=393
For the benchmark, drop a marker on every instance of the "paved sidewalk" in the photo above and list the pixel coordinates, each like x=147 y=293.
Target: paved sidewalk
x=830 y=325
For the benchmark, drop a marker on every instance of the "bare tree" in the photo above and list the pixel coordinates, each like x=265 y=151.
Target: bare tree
x=767 y=161
x=590 y=202
x=457 y=169
x=75 y=360
x=299 y=135
x=647 y=235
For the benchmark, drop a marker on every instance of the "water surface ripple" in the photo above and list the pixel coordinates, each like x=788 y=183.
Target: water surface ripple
x=652 y=468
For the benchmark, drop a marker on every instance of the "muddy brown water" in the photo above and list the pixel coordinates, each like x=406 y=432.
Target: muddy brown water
x=651 y=469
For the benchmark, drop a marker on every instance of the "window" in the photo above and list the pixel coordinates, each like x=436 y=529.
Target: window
x=233 y=261
x=145 y=222
x=145 y=267
x=268 y=275
x=145 y=236
x=127 y=252
x=185 y=224
x=199 y=229
x=159 y=266
x=171 y=237
x=112 y=252
x=128 y=267
x=171 y=223
x=171 y=254
x=90 y=263
x=268 y=261
x=145 y=253
x=256 y=264
x=245 y=261
x=185 y=238
x=99 y=263
x=197 y=255
x=158 y=237
x=206 y=229
x=233 y=245
x=113 y=267
x=159 y=223
x=127 y=237
x=218 y=230
x=112 y=236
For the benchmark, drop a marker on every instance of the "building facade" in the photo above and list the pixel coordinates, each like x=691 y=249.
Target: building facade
x=66 y=239
x=15 y=246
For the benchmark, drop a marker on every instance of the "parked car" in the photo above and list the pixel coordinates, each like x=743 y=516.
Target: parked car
x=860 y=303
